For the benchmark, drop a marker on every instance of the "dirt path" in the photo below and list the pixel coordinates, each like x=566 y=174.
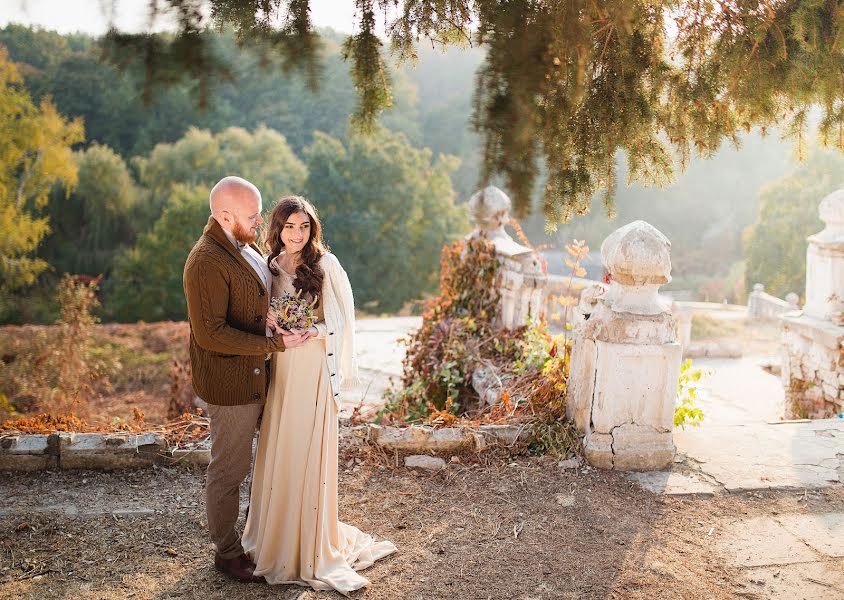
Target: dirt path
x=521 y=529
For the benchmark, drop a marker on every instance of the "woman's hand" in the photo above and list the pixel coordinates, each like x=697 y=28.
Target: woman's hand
x=297 y=337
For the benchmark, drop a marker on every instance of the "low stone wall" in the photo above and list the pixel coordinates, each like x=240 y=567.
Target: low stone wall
x=812 y=367
x=108 y=451
x=420 y=438
x=761 y=305
x=101 y=451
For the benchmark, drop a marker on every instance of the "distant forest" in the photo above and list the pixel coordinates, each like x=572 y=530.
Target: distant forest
x=389 y=201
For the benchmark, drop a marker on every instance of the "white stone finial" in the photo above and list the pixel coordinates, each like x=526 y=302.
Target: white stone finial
x=490 y=209
x=638 y=258
x=825 y=262
x=831 y=212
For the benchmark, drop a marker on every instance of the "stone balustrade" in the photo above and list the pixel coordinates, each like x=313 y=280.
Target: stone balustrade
x=761 y=305
x=522 y=280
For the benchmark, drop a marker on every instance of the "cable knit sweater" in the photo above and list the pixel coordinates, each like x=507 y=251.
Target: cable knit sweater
x=227 y=308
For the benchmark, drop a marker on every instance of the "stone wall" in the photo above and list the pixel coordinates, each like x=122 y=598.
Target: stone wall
x=761 y=305
x=812 y=367
x=813 y=340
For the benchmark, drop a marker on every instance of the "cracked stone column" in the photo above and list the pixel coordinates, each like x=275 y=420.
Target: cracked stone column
x=813 y=341
x=523 y=282
x=626 y=357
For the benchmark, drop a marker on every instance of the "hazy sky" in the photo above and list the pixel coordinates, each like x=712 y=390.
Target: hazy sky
x=94 y=16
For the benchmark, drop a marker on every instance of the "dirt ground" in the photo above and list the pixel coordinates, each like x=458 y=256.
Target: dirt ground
x=485 y=528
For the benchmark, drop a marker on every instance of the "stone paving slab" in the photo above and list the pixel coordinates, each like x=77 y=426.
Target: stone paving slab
x=28 y=452
x=675 y=483
x=102 y=451
x=767 y=456
x=823 y=532
x=379 y=355
x=790 y=556
x=109 y=451
x=763 y=541
x=808 y=581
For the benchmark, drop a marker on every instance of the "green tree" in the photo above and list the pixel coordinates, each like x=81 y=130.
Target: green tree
x=96 y=219
x=35 y=154
x=264 y=158
x=387 y=209
x=147 y=281
x=37 y=48
x=202 y=158
x=775 y=245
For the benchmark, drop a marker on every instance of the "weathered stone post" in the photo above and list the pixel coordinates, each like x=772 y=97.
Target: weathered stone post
x=626 y=358
x=813 y=342
x=523 y=282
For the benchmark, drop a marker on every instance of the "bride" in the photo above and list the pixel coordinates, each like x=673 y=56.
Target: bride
x=292 y=532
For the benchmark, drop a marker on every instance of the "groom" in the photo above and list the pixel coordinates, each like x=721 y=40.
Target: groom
x=227 y=288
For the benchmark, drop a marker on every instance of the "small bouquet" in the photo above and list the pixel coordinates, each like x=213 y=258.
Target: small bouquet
x=292 y=312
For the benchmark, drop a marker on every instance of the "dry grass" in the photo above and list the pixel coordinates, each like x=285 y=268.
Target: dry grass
x=754 y=336
x=140 y=356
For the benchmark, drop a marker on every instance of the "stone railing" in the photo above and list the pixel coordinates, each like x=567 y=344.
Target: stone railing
x=761 y=305
x=523 y=282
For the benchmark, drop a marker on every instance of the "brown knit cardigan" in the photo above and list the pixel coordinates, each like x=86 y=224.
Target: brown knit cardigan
x=227 y=308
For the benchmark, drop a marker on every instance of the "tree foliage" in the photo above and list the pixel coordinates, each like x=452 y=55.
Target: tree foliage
x=775 y=245
x=387 y=209
x=571 y=83
x=35 y=153
x=147 y=282
x=97 y=218
x=202 y=158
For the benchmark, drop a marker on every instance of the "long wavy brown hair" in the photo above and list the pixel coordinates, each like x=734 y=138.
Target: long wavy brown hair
x=309 y=274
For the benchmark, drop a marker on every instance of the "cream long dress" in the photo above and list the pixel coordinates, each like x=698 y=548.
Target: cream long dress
x=293 y=532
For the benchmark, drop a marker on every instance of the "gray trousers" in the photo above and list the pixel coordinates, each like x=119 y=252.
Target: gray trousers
x=232 y=431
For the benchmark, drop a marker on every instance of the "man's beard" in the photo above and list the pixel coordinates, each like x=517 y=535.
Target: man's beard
x=242 y=235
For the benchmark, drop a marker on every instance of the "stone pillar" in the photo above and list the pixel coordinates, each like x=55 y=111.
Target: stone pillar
x=753 y=308
x=825 y=262
x=626 y=358
x=813 y=342
x=522 y=280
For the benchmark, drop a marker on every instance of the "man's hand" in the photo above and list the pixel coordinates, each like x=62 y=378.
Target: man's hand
x=272 y=323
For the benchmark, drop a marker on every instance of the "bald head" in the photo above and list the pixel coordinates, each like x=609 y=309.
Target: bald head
x=232 y=192
x=236 y=205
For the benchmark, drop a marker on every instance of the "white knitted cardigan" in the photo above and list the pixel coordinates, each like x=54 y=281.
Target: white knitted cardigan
x=338 y=330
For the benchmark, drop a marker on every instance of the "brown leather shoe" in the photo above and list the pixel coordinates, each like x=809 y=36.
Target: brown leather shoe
x=239 y=568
